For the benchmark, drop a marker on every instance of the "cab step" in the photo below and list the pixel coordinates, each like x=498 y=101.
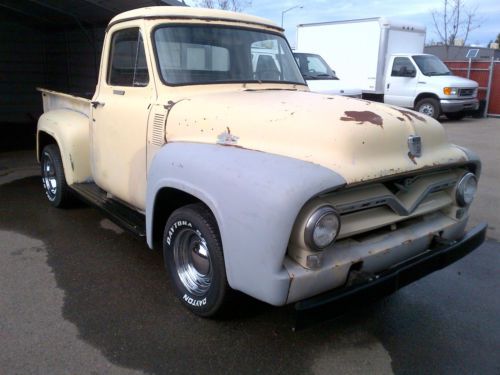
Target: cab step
x=122 y=215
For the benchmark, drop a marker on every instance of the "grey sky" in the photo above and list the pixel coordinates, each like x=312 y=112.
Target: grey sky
x=411 y=10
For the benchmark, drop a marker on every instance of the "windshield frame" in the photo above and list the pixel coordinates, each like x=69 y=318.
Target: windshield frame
x=225 y=26
x=449 y=73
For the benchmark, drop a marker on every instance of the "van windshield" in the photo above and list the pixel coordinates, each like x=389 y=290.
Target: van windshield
x=430 y=65
x=313 y=66
x=190 y=55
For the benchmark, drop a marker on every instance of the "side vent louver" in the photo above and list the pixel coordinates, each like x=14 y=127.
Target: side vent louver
x=158 y=136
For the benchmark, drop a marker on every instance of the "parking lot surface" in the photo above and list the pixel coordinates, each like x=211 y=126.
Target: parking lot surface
x=78 y=295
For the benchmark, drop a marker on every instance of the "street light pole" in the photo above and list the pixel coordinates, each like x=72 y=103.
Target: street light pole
x=287 y=10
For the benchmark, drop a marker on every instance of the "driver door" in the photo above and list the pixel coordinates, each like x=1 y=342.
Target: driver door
x=401 y=83
x=120 y=118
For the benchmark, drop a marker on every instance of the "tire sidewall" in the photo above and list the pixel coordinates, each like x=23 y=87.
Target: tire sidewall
x=209 y=302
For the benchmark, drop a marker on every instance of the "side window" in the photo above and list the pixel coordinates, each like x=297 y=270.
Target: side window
x=402 y=67
x=314 y=65
x=267 y=57
x=127 y=60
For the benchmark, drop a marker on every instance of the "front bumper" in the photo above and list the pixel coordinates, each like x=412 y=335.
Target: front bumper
x=365 y=289
x=458 y=105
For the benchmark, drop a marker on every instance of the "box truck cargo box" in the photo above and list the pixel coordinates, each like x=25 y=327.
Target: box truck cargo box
x=384 y=57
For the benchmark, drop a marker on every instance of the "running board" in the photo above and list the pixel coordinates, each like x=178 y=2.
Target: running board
x=124 y=216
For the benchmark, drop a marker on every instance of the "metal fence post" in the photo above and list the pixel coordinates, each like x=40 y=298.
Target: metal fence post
x=488 y=89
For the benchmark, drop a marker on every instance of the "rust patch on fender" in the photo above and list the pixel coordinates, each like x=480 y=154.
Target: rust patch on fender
x=363 y=116
x=409 y=115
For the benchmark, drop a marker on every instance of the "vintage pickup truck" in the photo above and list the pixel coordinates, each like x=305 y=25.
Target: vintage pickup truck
x=245 y=179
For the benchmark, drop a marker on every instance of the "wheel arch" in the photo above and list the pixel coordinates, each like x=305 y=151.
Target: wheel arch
x=166 y=201
x=425 y=95
x=69 y=130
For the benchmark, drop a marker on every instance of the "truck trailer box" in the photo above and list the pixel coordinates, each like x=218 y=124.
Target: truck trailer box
x=360 y=49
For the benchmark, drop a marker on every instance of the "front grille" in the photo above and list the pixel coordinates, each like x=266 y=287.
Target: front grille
x=368 y=207
x=466 y=92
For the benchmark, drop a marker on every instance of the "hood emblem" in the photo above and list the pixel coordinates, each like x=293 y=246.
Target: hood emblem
x=415 y=145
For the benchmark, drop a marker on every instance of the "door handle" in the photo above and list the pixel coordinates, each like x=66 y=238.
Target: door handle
x=96 y=104
x=119 y=92
x=388 y=85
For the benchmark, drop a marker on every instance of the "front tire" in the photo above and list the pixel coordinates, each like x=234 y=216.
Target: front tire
x=192 y=252
x=429 y=107
x=53 y=179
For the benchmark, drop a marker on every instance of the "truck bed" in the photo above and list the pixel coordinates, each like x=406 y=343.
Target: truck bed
x=58 y=100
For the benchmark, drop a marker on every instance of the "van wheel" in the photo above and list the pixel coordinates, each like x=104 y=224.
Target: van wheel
x=429 y=107
x=53 y=179
x=456 y=116
x=192 y=252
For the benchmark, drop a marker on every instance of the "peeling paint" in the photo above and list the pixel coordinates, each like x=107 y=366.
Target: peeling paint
x=363 y=116
x=409 y=114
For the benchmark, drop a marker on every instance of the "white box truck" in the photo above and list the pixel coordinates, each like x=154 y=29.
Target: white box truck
x=384 y=57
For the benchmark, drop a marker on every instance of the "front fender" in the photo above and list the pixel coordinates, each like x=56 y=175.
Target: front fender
x=70 y=129
x=255 y=198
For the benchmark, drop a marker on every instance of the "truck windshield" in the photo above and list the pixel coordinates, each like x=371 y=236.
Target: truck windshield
x=190 y=55
x=313 y=66
x=430 y=65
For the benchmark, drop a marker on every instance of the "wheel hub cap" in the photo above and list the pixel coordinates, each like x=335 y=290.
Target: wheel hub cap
x=192 y=261
x=49 y=177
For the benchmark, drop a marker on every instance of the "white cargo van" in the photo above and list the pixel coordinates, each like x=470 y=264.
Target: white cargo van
x=384 y=57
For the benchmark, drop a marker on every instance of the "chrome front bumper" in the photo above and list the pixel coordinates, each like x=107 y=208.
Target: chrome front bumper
x=458 y=105
x=364 y=290
x=370 y=255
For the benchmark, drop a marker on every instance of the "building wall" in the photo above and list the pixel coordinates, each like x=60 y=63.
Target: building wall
x=460 y=53
x=64 y=60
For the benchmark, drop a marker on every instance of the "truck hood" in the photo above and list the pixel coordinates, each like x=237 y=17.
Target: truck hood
x=360 y=140
x=333 y=87
x=451 y=81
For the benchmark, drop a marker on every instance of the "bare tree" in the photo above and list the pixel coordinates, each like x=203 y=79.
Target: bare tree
x=454 y=21
x=234 y=5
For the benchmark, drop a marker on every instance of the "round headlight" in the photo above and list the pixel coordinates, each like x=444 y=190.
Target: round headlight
x=466 y=189
x=322 y=228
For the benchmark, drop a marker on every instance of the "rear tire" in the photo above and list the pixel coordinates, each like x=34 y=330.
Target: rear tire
x=192 y=252
x=456 y=116
x=54 y=182
x=429 y=107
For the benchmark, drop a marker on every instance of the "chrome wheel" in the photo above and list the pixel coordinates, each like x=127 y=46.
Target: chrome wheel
x=49 y=177
x=192 y=261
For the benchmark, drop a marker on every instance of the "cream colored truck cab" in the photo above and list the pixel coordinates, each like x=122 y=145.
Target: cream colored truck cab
x=245 y=179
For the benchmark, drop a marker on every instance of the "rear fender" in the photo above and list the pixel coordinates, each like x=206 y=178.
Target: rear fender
x=70 y=130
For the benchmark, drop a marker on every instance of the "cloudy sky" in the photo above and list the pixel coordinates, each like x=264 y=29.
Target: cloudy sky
x=488 y=11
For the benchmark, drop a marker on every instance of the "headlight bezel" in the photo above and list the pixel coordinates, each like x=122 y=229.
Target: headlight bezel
x=312 y=223
x=450 y=91
x=460 y=190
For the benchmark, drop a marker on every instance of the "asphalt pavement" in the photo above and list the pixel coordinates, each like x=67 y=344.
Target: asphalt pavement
x=78 y=295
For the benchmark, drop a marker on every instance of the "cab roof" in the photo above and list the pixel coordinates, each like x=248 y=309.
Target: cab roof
x=173 y=12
